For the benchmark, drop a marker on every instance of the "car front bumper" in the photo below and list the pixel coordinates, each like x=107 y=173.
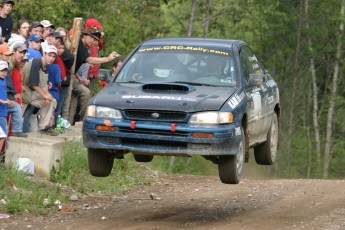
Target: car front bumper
x=162 y=138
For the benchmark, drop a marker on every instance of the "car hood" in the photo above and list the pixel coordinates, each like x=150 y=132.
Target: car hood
x=172 y=97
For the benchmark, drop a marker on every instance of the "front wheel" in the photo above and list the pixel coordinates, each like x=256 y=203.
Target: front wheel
x=266 y=153
x=230 y=167
x=100 y=162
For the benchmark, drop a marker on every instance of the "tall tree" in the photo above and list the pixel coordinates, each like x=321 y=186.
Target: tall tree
x=330 y=114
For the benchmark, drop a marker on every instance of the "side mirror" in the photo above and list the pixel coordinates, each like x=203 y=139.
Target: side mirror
x=256 y=80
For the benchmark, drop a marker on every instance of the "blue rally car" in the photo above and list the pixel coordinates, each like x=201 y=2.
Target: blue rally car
x=185 y=97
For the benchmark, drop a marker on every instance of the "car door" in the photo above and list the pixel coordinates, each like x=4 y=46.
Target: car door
x=258 y=114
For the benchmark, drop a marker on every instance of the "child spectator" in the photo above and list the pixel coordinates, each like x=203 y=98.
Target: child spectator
x=3 y=100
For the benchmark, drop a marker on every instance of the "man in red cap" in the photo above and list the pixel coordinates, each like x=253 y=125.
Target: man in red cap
x=93 y=69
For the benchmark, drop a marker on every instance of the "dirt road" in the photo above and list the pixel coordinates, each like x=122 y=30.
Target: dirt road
x=196 y=202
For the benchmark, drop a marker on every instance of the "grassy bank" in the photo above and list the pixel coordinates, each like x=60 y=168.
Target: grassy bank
x=20 y=193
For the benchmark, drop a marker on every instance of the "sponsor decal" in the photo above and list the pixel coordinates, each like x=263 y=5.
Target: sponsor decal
x=172 y=98
x=238 y=131
x=255 y=89
x=263 y=88
x=270 y=83
x=270 y=99
x=253 y=58
x=235 y=100
x=191 y=48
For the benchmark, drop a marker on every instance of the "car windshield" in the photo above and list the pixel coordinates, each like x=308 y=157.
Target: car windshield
x=179 y=64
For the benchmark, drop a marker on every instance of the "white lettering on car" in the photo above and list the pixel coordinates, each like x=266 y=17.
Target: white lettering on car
x=235 y=100
x=270 y=83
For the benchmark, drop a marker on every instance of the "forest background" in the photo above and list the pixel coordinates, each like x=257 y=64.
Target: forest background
x=299 y=41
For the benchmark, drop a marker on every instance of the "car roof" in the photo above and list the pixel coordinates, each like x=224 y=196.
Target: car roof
x=213 y=42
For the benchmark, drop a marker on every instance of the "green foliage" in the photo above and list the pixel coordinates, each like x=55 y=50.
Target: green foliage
x=29 y=195
x=73 y=171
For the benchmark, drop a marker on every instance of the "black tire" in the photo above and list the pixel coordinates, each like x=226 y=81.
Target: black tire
x=100 y=162
x=230 y=167
x=142 y=158
x=266 y=153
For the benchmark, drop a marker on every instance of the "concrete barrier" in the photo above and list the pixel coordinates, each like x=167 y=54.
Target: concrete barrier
x=45 y=151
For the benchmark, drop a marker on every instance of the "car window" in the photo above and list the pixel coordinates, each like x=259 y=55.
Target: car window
x=250 y=63
x=187 y=64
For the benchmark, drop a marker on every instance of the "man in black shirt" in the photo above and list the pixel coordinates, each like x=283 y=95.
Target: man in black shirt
x=89 y=37
x=6 y=22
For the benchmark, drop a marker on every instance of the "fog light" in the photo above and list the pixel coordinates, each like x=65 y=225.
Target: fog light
x=106 y=128
x=202 y=135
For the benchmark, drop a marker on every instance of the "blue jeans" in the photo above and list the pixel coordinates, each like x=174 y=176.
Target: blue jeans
x=17 y=120
x=3 y=125
x=26 y=118
x=63 y=92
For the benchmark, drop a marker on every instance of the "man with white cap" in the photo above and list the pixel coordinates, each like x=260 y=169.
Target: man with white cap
x=47 y=28
x=35 y=78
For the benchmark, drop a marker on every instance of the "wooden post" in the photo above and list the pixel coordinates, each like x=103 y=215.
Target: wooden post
x=77 y=25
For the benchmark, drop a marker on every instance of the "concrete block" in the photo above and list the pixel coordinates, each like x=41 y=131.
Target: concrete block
x=45 y=151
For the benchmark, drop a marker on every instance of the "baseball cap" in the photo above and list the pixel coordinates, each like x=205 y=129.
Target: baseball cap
x=20 y=46
x=93 y=22
x=50 y=49
x=3 y=65
x=8 y=1
x=35 y=38
x=57 y=35
x=5 y=50
x=92 y=32
x=35 y=24
x=46 y=23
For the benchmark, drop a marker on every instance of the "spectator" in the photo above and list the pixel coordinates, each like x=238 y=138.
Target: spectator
x=48 y=28
x=6 y=20
x=19 y=52
x=93 y=23
x=116 y=65
x=89 y=37
x=22 y=35
x=23 y=28
x=17 y=78
x=53 y=39
x=34 y=41
x=13 y=108
x=54 y=79
x=62 y=31
x=35 y=77
x=36 y=28
x=4 y=101
x=64 y=84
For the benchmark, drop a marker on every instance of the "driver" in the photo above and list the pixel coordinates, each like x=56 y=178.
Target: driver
x=217 y=66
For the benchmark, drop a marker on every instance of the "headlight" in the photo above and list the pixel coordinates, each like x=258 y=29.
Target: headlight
x=100 y=111
x=211 y=118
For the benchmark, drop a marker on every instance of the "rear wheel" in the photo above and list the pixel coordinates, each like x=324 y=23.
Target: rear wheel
x=230 y=167
x=266 y=153
x=142 y=158
x=100 y=162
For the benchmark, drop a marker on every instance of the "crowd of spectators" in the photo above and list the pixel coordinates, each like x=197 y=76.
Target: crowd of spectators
x=36 y=72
